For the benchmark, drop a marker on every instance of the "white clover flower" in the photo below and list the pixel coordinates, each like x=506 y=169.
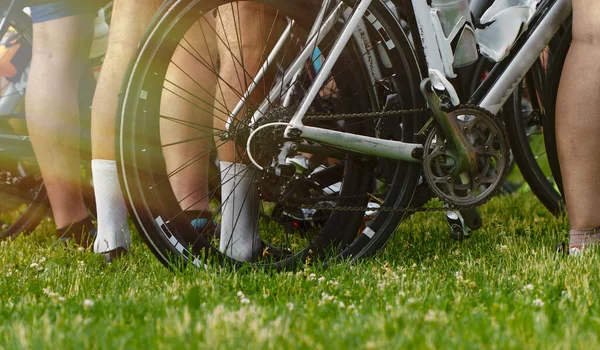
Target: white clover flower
x=245 y=301
x=87 y=303
x=321 y=279
x=240 y=294
x=312 y=276
x=430 y=316
x=528 y=287
x=290 y=306
x=34 y=265
x=341 y=305
x=333 y=283
x=327 y=297
x=538 y=302
x=459 y=276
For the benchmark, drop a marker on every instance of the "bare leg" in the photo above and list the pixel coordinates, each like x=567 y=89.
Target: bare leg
x=578 y=120
x=187 y=100
x=242 y=29
x=243 y=34
x=59 y=48
x=129 y=22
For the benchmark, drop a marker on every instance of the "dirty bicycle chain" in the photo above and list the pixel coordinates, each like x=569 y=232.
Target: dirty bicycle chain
x=372 y=115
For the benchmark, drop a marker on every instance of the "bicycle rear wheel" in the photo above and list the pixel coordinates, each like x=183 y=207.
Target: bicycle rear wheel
x=335 y=181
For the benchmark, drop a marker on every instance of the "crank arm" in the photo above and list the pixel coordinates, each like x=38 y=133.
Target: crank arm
x=442 y=97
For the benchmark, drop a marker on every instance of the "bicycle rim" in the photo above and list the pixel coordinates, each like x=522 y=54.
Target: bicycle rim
x=158 y=209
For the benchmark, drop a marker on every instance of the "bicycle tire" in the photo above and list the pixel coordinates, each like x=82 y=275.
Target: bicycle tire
x=542 y=82
x=136 y=171
x=522 y=141
x=556 y=63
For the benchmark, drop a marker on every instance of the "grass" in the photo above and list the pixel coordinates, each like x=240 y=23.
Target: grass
x=503 y=288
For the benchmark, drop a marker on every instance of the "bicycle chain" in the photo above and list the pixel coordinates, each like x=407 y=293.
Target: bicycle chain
x=377 y=115
x=380 y=209
x=366 y=115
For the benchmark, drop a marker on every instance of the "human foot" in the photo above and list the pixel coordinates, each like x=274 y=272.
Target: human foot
x=81 y=233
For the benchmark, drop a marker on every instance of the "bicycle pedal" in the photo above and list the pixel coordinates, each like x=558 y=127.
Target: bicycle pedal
x=458 y=229
x=471 y=219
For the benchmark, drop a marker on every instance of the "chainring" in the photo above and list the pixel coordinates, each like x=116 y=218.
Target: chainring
x=487 y=137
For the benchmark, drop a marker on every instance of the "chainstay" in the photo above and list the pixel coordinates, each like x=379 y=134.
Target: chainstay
x=377 y=115
x=372 y=115
x=446 y=207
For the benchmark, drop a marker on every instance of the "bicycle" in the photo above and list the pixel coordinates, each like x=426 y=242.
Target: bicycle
x=389 y=144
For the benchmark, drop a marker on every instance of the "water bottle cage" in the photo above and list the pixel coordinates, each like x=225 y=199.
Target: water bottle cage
x=501 y=25
x=451 y=46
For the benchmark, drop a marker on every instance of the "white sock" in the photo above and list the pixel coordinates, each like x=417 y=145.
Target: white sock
x=113 y=231
x=240 y=238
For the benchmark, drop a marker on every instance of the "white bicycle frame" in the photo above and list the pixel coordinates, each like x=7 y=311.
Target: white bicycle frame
x=439 y=56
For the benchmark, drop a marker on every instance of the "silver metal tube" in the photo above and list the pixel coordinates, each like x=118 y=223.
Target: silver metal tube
x=529 y=53
x=260 y=74
x=319 y=20
x=335 y=53
x=298 y=63
x=313 y=31
x=362 y=144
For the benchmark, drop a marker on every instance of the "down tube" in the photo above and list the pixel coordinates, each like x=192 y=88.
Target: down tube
x=529 y=52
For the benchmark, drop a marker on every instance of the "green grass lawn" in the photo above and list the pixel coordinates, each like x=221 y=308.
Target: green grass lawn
x=503 y=288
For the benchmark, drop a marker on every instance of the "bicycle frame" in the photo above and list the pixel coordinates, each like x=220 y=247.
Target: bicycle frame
x=491 y=95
